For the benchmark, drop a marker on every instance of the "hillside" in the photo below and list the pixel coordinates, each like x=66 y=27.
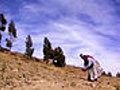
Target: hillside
x=18 y=72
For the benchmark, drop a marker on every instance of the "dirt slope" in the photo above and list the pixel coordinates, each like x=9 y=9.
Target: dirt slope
x=17 y=72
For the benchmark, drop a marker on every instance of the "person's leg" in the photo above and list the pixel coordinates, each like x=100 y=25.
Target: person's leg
x=90 y=75
x=95 y=73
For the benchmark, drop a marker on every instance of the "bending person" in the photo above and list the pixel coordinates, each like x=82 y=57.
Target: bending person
x=93 y=67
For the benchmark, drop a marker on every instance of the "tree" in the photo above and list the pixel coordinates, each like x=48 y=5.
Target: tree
x=47 y=43
x=3 y=22
x=9 y=43
x=0 y=38
x=118 y=74
x=109 y=74
x=13 y=34
x=29 y=50
x=47 y=50
x=12 y=30
x=59 y=58
x=29 y=42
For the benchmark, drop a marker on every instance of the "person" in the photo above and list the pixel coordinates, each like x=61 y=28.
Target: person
x=93 y=67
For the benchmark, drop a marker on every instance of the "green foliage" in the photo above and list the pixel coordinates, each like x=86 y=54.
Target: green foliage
x=3 y=22
x=47 y=43
x=59 y=58
x=29 y=41
x=29 y=51
x=56 y=55
x=12 y=30
x=0 y=38
x=118 y=75
x=2 y=19
x=47 y=50
x=9 y=43
x=2 y=28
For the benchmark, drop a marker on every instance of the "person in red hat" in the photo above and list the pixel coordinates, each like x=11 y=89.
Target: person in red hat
x=93 y=67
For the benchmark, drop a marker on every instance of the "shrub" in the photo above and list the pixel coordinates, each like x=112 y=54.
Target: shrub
x=118 y=75
x=109 y=74
x=59 y=58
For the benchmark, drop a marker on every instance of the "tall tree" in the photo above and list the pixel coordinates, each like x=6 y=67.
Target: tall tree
x=0 y=38
x=47 y=43
x=12 y=30
x=47 y=50
x=29 y=50
x=3 y=22
x=29 y=42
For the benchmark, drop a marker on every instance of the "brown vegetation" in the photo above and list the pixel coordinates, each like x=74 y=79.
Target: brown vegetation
x=18 y=72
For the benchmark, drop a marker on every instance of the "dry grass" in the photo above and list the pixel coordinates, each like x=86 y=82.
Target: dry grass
x=18 y=72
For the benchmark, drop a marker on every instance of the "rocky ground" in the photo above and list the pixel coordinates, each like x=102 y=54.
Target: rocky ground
x=18 y=72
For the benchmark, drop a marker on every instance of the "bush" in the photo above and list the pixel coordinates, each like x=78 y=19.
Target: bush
x=59 y=58
x=118 y=75
x=56 y=55
x=109 y=74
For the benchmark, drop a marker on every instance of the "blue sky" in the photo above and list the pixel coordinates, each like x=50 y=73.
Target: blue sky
x=78 y=26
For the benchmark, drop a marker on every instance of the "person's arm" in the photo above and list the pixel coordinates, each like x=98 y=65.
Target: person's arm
x=89 y=66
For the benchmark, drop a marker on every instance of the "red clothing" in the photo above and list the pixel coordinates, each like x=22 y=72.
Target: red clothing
x=87 y=56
